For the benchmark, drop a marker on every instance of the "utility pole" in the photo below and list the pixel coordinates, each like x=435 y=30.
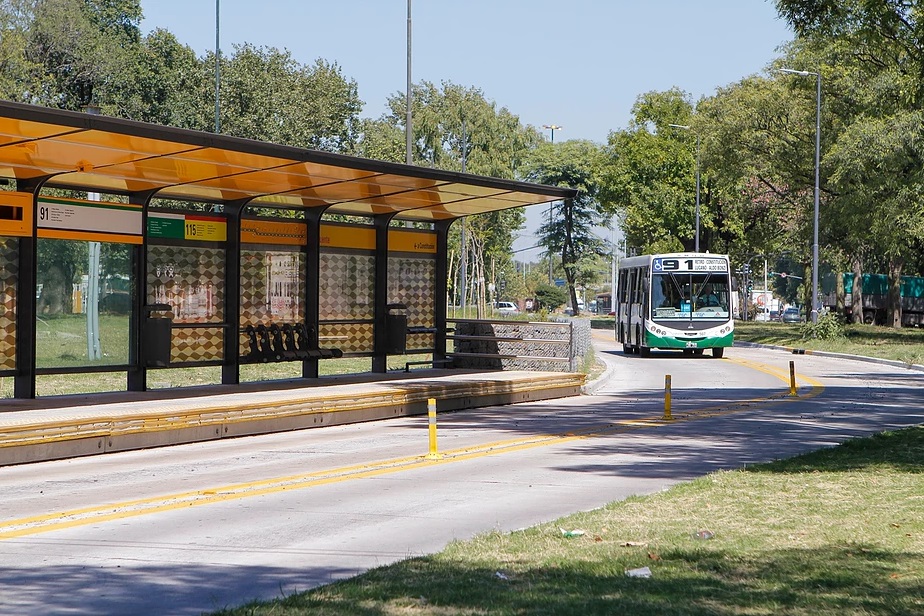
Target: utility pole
x=553 y=128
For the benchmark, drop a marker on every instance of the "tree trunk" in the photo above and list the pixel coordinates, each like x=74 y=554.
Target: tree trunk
x=840 y=303
x=807 y=290
x=894 y=318
x=856 y=294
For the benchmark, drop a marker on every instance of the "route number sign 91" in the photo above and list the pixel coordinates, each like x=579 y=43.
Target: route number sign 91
x=693 y=264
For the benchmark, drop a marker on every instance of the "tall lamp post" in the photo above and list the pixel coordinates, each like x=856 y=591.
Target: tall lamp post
x=817 y=76
x=217 y=67
x=685 y=127
x=553 y=128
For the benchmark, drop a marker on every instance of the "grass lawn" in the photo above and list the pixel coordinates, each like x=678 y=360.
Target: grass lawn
x=906 y=344
x=838 y=531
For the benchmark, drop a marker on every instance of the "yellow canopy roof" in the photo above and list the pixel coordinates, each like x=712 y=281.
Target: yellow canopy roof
x=102 y=154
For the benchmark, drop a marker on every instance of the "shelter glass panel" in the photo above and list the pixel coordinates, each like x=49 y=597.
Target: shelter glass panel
x=411 y=281
x=83 y=302
x=191 y=279
x=272 y=289
x=346 y=301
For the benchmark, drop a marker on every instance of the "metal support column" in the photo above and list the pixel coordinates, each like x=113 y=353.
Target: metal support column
x=137 y=377
x=313 y=289
x=380 y=301
x=441 y=288
x=24 y=381
x=231 y=361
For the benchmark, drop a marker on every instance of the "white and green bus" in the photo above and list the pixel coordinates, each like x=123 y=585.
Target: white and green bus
x=675 y=301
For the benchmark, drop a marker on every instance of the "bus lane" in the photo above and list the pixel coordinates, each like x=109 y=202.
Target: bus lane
x=198 y=527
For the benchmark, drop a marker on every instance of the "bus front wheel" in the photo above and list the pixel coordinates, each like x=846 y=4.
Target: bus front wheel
x=644 y=351
x=717 y=352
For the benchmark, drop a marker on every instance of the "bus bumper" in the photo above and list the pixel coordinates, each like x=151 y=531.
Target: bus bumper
x=656 y=341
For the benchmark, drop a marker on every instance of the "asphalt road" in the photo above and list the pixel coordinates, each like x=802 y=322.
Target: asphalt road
x=189 y=529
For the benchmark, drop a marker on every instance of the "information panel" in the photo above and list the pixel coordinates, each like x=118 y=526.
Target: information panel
x=75 y=219
x=187 y=227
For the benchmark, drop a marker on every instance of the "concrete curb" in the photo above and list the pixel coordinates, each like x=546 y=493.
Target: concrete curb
x=798 y=351
x=591 y=387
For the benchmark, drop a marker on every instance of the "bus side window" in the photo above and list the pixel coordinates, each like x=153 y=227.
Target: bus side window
x=638 y=286
x=633 y=290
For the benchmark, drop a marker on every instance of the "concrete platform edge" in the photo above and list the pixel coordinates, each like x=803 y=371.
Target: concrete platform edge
x=27 y=436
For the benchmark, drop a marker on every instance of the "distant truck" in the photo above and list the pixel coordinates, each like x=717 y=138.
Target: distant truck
x=876 y=299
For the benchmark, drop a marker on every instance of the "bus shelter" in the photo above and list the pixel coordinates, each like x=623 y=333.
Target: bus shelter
x=219 y=251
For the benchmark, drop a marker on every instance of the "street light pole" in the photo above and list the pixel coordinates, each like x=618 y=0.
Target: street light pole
x=408 y=130
x=817 y=76
x=553 y=128
x=217 y=67
x=685 y=127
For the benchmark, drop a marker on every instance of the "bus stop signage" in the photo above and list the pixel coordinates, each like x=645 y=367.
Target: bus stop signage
x=88 y=220
x=187 y=227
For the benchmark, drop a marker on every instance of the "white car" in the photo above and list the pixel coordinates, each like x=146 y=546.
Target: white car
x=506 y=308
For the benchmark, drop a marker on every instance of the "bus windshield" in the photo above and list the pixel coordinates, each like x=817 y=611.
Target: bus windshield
x=685 y=296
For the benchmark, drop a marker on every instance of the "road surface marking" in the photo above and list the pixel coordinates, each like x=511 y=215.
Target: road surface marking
x=132 y=508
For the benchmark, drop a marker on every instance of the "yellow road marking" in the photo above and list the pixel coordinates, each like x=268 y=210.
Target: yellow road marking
x=93 y=515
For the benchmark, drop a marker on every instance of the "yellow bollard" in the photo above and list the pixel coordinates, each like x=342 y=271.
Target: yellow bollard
x=792 y=379
x=431 y=418
x=667 y=397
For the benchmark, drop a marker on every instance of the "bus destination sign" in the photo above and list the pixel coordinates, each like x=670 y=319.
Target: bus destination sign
x=691 y=264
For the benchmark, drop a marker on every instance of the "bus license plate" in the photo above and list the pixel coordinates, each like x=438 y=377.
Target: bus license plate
x=691 y=345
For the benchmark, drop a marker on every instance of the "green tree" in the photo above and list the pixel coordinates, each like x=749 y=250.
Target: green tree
x=452 y=124
x=82 y=47
x=758 y=153
x=647 y=174
x=166 y=85
x=267 y=95
x=16 y=69
x=570 y=233
x=870 y=57
x=550 y=297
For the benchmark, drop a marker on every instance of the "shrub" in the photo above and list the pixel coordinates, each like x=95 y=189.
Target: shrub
x=829 y=327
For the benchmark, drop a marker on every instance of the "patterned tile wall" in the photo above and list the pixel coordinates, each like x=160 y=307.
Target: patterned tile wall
x=9 y=275
x=347 y=292
x=192 y=281
x=272 y=289
x=411 y=282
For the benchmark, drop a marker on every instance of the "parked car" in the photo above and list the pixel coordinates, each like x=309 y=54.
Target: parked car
x=791 y=315
x=506 y=308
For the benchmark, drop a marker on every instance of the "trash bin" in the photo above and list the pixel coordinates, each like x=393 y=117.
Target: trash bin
x=157 y=337
x=396 y=329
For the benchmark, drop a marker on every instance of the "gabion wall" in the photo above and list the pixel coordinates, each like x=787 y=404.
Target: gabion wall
x=518 y=345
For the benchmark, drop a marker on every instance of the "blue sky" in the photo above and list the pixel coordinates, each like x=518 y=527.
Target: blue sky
x=579 y=64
